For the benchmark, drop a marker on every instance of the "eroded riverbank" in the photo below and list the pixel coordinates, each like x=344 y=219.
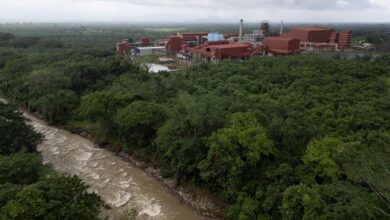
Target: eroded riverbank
x=121 y=185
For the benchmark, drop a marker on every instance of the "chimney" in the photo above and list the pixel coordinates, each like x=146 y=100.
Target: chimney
x=240 y=38
x=281 y=27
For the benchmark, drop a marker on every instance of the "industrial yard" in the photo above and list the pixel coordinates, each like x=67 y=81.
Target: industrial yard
x=188 y=48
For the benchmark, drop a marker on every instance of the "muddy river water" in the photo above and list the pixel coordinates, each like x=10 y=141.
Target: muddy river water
x=120 y=185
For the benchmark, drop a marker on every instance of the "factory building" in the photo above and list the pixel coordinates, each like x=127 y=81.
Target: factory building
x=145 y=42
x=281 y=45
x=123 y=48
x=214 y=47
x=256 y=36
x=320 y=37
x=177 y=42
x=345 y=39
x=174 y=44
x=215 y=37
x=310 y=34
x=222 y=50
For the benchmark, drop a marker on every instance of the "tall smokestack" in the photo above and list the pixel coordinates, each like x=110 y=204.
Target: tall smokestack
x=281 y=27
x=241 y=30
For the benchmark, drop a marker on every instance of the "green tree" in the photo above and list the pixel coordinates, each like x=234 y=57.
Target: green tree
x=325 y=153
x=138 y=123
x=15 y=134
x=20 y=168
x=67 y=198
x=57 y=107
x=27 y=204
x=238 y=147
x=302 y=202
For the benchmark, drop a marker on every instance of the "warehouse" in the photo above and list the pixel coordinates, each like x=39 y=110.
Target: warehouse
x=281 y=45
x=310 y=34
x=222 y=50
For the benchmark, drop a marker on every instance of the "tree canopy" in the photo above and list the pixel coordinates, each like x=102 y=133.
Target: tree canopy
x=275 y=137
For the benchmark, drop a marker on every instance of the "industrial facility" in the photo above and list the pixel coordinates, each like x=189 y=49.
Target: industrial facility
x=198 y=47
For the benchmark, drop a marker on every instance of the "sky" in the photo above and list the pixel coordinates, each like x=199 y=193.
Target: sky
x=194 y=11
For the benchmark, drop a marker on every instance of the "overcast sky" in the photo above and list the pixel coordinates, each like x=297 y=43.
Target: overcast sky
x=194 y=10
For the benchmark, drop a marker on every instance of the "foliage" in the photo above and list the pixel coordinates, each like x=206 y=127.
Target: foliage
x=325 y=152
x=20 y=168
x=15 y=133
x=275 y=137
x=236 y=149
x=301 y=202
x=30 y=190
x=138 y=123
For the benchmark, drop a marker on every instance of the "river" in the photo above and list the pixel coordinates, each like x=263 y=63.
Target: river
x=120 y=185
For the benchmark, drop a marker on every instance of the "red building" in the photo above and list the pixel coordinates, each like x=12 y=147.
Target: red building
x=222 y=50
x=196 y=36
x=145 y=42
x=123 y=48
x=345 y=39
x=334 y=39
x=176 y=43
x=281 y=45
x=320 y=37
x=311 y=34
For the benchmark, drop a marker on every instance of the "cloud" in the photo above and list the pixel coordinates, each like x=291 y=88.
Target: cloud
x=200 y=10
x=250 y=4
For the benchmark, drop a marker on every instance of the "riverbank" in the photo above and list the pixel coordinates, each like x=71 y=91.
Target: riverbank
x=199 y=200
x=204 y=203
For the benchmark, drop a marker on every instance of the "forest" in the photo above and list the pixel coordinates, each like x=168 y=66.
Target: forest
x=300 y=137
x=30 y=190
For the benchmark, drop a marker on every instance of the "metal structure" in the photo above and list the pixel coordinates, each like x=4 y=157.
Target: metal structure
x=281 y=45
x=256 y=36
x=281 y=27
x=345 y=39
x=265 y=27
x=310 y=34
x=145 y=42
x=320 y=37
x=225 y=51
x=177 y=42
x=215 y=37
x=123 y=48
x=147 y=51
x=241 y=32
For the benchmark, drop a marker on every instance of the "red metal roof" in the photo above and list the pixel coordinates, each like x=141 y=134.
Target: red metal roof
x=225 y=51
x=229 y=46
x=313 y=28
x=311 y=34
x=284 y=39
x=194 y=34
x=281 y=45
